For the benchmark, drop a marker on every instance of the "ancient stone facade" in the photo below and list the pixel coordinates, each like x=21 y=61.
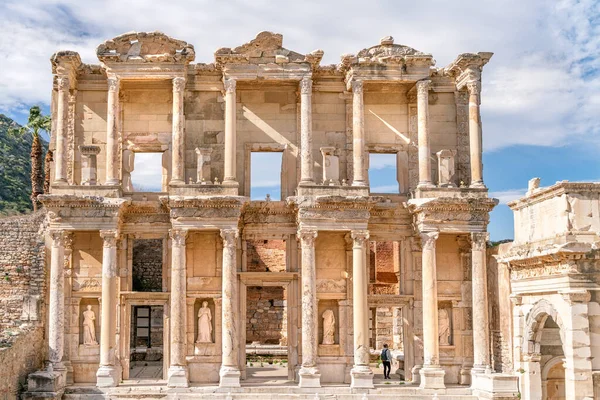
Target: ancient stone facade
x=425 y=245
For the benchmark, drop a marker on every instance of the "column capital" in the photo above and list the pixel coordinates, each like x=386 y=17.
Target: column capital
x=110 y=237
x=428 y=240
x=178 y=84
x=357 y=86
x=423 y=87
x=474 y=87
x=229 y=236
x=62 y=83
x=306 y=85
x=359 y=237
x=178 y=236
x=479 y=240
x=229 y=84
x=113 y=83
x=307 y=236
x=58 y=237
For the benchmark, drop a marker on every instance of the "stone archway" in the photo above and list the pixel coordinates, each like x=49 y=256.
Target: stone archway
x=553 y=379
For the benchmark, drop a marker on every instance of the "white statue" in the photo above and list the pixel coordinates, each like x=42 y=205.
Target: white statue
x=328 y=327
x=89 y=327
x=204 y=324
x=444 y=327
x=128 y=166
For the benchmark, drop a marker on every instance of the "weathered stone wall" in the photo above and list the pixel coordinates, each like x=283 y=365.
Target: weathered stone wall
x=22 y=350
x=265 y=317
x=265 y=255
x=22 y=273
x=383 y=264
x=147 y=265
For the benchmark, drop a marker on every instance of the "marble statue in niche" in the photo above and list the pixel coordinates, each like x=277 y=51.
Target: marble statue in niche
x=204 y=324
x=328 y=327
x=128 y=166
x=444 y=327
x=89 y=327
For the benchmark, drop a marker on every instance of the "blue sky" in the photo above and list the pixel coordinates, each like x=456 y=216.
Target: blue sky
x=541 y=90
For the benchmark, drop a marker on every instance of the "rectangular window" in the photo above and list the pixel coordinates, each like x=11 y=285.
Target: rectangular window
x=265 y=175
x=147 y=173
x=383 y=173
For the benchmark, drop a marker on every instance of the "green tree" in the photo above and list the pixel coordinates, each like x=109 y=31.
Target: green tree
x=36 y=124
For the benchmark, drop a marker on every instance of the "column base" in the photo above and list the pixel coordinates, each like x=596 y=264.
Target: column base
x=112 y=182
x=309 y=377
x=177 y=376
x=108 y=376
x=465 y=376
x=230 y=377
x=176 y=182
x=416 y=374
x=232 y=183
x=495 y=386
x=477 y=185
x=432 y=378
x=60 y=182
x=359 y=183
x=427 y=184
x=307 y=183
x=46 y=384
x=361 y=377
x=69 y=367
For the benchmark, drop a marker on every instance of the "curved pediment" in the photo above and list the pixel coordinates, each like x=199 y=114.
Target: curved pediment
x=386 y=52
x=265 y=48
x=143 y=47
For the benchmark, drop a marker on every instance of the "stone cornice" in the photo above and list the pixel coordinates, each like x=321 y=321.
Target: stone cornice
x=533 y=254
x=203 y=202
x=53 y=201
x=467 y=67
x=451 y=215
x=335 y=202
x=558 y=189
x=145 y=47
x=66 y=63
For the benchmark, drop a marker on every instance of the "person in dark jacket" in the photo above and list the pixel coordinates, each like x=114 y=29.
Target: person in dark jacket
x=386 y=359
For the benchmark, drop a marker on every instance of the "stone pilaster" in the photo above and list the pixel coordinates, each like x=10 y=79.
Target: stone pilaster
x=309 y=373
x=361 y=374
x=178 y=155
x=358 y=134
x=178 y=371
x=112 y=131
x=109 y=372
x=475 y=139
x=230 y=370
x=306 y=156
x=57 y=300
x=481 y=329
x=62 y=107
x=432 y=375
x=423 y=133
x=229 y=178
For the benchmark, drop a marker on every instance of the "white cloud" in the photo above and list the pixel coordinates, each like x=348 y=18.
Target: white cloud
x=540 y=88
x=506 y=196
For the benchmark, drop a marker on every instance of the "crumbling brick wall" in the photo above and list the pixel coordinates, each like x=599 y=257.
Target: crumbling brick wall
x=265 y=255
x=22 y=269
x=265 y=318
x=147 y=265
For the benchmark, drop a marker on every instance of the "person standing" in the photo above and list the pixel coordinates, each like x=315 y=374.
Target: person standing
x=386 y=358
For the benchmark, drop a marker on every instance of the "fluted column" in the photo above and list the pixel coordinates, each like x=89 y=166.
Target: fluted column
x=361 y=374
x=230 y=132
x=309 y=373
x=358 y=134
x=109 y=373
x=475 y=145
x=112 y=131
x=481 y=342
x=432 y=375
x=423 y=133
x=62 y=107
x=178 y=158
x=230 y=370
x=178 y=371
x=306 y=156
x=57 y=300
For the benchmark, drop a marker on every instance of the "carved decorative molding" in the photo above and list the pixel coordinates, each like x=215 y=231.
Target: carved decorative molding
x=357 y=86
x=178 y=237
x=428 y=240
x=230 y=236
x=307 y=237
x=386 y=52
x=145 y=47
x=423 y=87
x=479 y=240
x=359 y=237
x=229 y=85
x=576 y=296
x=113 y=84
x=62 y=83
x=178 y=84
x=58 y=237
x=306 y=85
x=110 y=237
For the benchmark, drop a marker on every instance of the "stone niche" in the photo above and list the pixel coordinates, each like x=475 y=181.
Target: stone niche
x=445 y=307
x=89 y=350
x=329 y=349
x=197 y=306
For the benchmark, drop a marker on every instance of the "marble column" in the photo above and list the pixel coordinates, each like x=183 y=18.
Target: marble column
x=309 y=374
x=306 y=156
x=178 y=372
x=230 y=369
x=57 y=300
x=481 y=329
x=432 y=375
x=361 y=374
x=178 y=156
x=358 y=134
x=62 y=107
x=109 y=372
x=229 y=178
x=475 y=145
x=423 y=133
x=112 y=131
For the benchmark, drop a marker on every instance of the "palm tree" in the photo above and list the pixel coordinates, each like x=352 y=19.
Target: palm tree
x=36 y=123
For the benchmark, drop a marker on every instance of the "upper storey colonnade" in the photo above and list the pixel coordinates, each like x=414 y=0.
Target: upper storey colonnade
x=152 y=57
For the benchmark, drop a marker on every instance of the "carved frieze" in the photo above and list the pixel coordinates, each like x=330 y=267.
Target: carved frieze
x=386 y=52
x=222 y=207
x=145 y=47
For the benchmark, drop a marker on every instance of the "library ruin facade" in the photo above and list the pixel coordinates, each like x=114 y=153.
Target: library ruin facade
x=196 y=276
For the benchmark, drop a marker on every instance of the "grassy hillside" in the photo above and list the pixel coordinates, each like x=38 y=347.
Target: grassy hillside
x=15 y=169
